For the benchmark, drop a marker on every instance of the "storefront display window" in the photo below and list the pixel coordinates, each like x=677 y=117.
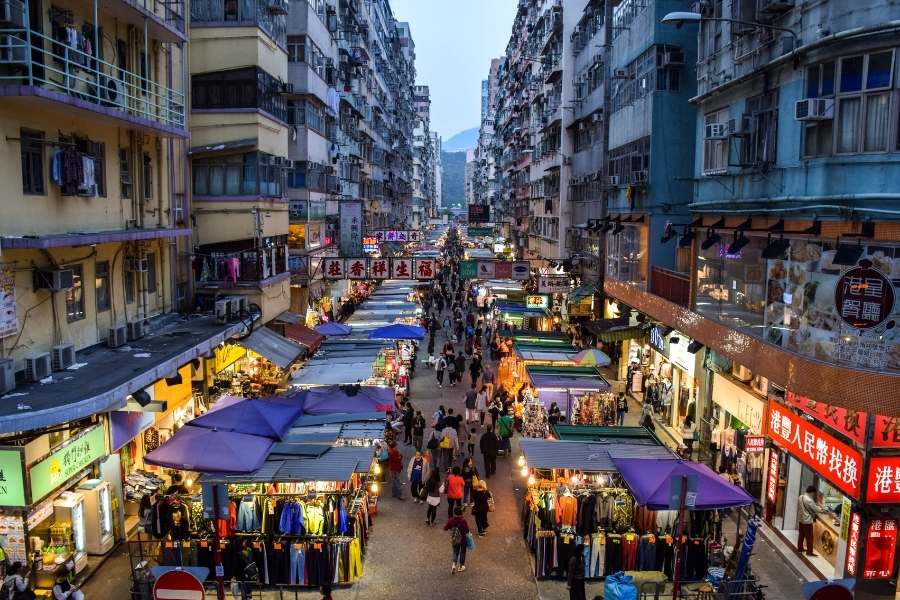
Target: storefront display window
x=801 y=302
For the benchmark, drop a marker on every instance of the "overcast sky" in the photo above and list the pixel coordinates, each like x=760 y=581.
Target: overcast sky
x=455 y=42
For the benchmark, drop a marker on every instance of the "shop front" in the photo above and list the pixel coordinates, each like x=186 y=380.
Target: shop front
x=661 y=371
x=804 y=455
x=737 y=441
x=57 y=516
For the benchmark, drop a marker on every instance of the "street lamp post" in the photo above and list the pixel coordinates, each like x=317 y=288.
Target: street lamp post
x=679 y=18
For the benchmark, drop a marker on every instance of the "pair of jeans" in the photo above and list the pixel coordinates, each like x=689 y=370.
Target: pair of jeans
x=417 y=441
x=396 y=485
x=459 y=553
x=620 y=418
x=431 y=514
x=490 y=465
x=597 y=557
x=416 y=489
x=247 y=517
x=481 y=521
x=451 y=502
x=467 y=491
x=297 y=565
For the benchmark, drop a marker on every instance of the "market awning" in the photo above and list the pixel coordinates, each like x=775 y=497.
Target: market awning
x=607 y=435
x=582 y=291
x=544 y=353
x=266 y=418
x=304 y=335
x=324 y=372
x=567 y=378
x=584 y=456
x=333 y=329
x=614 y=330
x=398 y=331
x=278 y=349
x=651 y=483
x=334 y=464
x=348 y=399
x=211 y=451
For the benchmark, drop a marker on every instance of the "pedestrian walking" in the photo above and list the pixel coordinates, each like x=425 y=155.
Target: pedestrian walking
x=487 y=379
x=505 y=431
x=453 y=487
x=481 y=404
x=451 y=371
x=440 y=365
x=469 y=474
x=481 y=499
x=489 y=445
x=432 y=495
x=471 y=401
x=395 y=464
x=418 y=430
x=449 y=444
x=475 y=369
x=470 y=443
x=575 y=581
x=459 y=529
x=621 y=409
x=417 y=473
x=434 y=447
x=408 y=416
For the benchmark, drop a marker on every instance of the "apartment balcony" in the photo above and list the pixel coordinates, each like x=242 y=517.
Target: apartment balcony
x=240 y=268
x=671 y=285
x=40 y=72
x=267 y=15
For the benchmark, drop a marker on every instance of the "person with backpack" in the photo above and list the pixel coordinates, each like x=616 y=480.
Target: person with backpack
x=451 y=369
x=449 y=443
x=440 y=365
x=459 y=529
x=434 y=447
x=15 y=586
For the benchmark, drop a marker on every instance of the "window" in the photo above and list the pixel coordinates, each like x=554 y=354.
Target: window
x=756 y=145
x=249 y=87
x=147 y=174
x=96 y=151
x=252 y=173
x=101 y=285
x=75 y=296
x=128 y=284
x=861 y=88
x=32 y=144
x=302 y=49
x=303 y=113
x=715 y=151
x=125 y=184
x=151 y=273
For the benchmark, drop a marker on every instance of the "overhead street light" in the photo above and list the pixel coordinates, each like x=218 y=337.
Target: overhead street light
x=679 y=18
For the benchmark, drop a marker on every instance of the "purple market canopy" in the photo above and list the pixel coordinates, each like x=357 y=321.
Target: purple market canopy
x=331 y=328
x=398 y=331
x=330 y=399
x=650 y=482
x=265 y=417
x=211 y=451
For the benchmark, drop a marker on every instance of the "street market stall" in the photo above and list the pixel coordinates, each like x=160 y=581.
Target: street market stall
x=613 y=495
x=580 y=391
x=343 y=361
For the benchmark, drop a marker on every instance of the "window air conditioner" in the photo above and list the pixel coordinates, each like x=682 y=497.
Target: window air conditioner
x=716 y=131
x=37 y=367
x=7 y=375
x=112 y=91
x=814 y=109
x=116 y=336
x=134 y=330
x=54 y=279
x=62 y=356
x=613 y=180
x=741 y=372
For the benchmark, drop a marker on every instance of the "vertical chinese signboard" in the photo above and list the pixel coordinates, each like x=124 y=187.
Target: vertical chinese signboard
x=772 y=483
x=853 y=544
x=832 y=459
x=9 y=324
x=351 y=228
x=881 y=545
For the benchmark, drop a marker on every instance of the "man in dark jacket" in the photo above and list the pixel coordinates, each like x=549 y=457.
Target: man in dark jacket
x=489 y=444
x=408 y=415
x=460 y=366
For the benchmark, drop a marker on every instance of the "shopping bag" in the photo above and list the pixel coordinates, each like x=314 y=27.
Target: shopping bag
x=619 y=586
x=470 y=542
x=490 y=502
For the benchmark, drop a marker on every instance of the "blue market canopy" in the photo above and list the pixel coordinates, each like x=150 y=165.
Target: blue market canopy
x=269 y=418
x=398 y=331
x=333 y=329
x=211 y=451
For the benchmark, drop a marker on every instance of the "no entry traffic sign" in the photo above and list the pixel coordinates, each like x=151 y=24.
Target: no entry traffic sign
x=178 y=585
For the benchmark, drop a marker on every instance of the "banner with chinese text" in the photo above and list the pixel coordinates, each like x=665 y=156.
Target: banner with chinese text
x=834 y=460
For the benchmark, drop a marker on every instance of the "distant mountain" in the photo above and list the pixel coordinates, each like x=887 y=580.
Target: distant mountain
x=453 y=179
x=464 y=140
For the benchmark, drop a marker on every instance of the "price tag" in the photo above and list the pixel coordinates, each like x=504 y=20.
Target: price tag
x=204 y=544
x=170 y=545
x=220 y=571
x=277 y=546
x=256 y=545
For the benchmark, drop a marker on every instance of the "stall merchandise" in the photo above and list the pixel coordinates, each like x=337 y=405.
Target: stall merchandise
x=594 y=409
x=729 y=448
x=534 y=418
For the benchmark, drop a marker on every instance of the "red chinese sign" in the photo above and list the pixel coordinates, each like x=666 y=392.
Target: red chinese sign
x=851 y=423
x=772 y=483
x=425 y=268
x=887 y=432
x=401 y=268
x=834 y=460
x=755 y=443
x=853 y=544
x=881 y=545
x=864 y=297
x=378 y=267
x=356 y=268
x=503 y=270
x=883 y=484
x=333 y=268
